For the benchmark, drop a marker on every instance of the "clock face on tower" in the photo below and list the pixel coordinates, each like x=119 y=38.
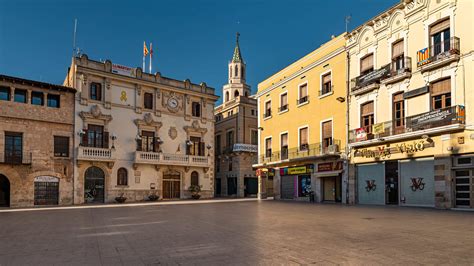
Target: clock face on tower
x=173 y=104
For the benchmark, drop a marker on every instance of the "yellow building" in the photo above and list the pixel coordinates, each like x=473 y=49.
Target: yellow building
x=302 y=127
x=410 y=105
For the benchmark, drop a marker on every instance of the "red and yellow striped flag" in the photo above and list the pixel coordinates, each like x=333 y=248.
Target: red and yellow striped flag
x=145 y=50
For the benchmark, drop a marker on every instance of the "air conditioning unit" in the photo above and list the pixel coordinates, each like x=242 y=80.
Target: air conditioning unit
x=333 y=148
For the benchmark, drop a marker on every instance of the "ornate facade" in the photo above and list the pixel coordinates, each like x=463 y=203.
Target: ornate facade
x=139 y=134
x=236 y=136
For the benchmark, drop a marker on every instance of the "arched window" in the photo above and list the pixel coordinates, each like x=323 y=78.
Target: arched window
x=246 y=94
x=230 y=71
x=226 y=96
x=243 y=72
x=122 y=177
x=194 y=178
x=236 y=71
x=236 y=93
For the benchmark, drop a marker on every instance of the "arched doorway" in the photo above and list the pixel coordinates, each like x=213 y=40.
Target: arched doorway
x=171 y=185
x=4 y=191
x=94 y=183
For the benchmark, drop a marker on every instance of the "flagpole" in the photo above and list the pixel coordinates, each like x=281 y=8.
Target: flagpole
x=143 y=63
x=151 y=53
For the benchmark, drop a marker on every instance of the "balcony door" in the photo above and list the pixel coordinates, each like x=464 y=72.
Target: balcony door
x=95 y=136
x=440 y=35
x=326 y=129
x=196 y=147
x=398 y=107
x=13 y=147
x=440 y=92
x=367 y=118
x=398 y=59
x=148 y=142
x=284 y=146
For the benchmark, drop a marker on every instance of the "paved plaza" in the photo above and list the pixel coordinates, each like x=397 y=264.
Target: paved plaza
x=237 y=233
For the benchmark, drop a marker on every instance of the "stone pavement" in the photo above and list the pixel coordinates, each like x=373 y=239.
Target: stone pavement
x=237 y=233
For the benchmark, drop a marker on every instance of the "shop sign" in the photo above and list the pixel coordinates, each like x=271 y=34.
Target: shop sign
x=383 y=152
x=297 y=170
x=265 y=172
x=416 y=92
x=373 y=76
x=361 y=134
x=47 y=179
x=123 y=70
x=244 y=147
x=417 y=183
x=378 y=128
x=330 y=166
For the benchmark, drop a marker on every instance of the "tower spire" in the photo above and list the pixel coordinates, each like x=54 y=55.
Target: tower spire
x=237 y=57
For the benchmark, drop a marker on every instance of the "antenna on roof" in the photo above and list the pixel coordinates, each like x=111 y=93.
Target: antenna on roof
x=347 y=20
x=75 y=50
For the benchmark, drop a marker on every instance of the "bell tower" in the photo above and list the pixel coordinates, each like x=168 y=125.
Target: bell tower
x=236 y=85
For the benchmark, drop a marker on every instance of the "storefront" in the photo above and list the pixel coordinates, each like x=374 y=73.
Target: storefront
x=463 y=170
x=407 y=181
x=296 y=181
x=330 y=177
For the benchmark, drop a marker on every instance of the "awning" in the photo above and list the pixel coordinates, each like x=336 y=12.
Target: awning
x=329 y=173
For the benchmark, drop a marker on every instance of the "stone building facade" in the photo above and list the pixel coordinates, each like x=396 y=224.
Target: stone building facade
x=236 y=133
x=139 y=134
x=410 y=106
x=36 y=141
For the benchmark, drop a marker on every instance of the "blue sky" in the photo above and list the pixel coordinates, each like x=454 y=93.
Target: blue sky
x=191 y=39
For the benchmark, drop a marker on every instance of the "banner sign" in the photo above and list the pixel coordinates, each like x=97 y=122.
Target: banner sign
x=378 y=128
x=423 y=57
x=373 y=76
x=361 y=134
x=434 y=118
x=265 y=172
x=123 y=70
x=245 y=147
x=383 y=152
x=297 y=170
x=416 y=92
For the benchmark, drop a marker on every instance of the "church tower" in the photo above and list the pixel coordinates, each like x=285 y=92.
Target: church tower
x=236 y=85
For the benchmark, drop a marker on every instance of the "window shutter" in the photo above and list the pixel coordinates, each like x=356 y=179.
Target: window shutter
x=268 y=144
x=367 y=108
x=304 y=136
x=440 y=26
x=327 y=129
x=398 y=97
x=440 y=87
x=106 y=140
x=139 y=144
x=397 y=49
x=85 y=138
x=284 y=99
x=367 y=62
x=303 y=90
x=202 y=148
x=284 y=140
x=326 y=78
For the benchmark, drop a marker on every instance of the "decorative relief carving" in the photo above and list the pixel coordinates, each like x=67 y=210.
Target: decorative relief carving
x=95 y=113
x=195 y=128
x=173 y=133
x=148 y=121
x=139 y=89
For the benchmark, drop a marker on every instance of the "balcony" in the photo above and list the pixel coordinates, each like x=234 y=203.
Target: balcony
x=283 y=108
x=95 y=154
x=157 y=158
x=302 y=100
x=268 y=113
x=418 y=124
x=306 y=151
x=400 y=69
x=438 y=54
x=16 y=159
x=369 y=81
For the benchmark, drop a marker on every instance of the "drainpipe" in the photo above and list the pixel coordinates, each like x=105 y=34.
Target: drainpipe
x=347 y=149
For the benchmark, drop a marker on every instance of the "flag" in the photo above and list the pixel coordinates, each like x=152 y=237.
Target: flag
x=151 y=49
x=378 y=128
x=145 y=50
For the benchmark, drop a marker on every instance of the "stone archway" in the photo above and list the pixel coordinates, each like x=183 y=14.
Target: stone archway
x=94 y=185
x=4 y=191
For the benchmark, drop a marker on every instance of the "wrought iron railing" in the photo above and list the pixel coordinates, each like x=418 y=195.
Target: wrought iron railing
x=436 y=118
x=438 y=51
x=16 y=158
x=302 y=100
x=399 y=66
x=307 y=150
x=283 y=108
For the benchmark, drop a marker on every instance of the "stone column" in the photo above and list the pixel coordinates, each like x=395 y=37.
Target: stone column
x=277 y=185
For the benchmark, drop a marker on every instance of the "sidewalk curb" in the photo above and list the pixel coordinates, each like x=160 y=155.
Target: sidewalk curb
x=138 y=204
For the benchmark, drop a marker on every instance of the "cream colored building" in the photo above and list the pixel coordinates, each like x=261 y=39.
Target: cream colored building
x=236 y=134
x=411 y=105
x=139 y=134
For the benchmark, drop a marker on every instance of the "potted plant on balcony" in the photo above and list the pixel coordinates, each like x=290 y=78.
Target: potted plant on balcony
x=153 y=196
x=121 y=198
x=195 y=190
